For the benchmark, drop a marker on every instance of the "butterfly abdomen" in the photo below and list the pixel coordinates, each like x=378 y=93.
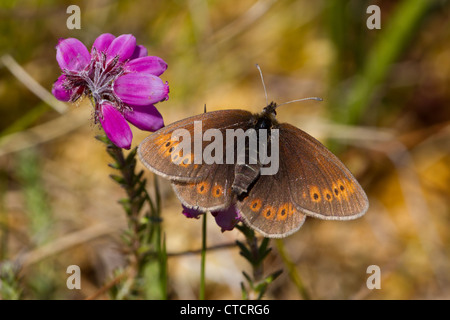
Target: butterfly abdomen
x=244 y=175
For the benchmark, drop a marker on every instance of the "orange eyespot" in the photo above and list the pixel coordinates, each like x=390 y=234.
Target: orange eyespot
x=327 y=195
x=342 y=189
x=255 y=205
x=269 y=212
x=314 y=194
x=202 y=187
x=186 y=161
x=283 y=212
x=217 y=191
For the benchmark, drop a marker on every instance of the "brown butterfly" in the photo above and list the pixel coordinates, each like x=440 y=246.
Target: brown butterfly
x=310 y=180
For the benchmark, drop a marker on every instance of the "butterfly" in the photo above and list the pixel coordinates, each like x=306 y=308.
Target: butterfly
x=309 y=180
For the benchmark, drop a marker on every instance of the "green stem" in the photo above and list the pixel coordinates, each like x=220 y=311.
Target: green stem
x=203 y=260
x=258 y=270
x=255 y=254
x=144 y=236
x=392 y=40
x=292 y=270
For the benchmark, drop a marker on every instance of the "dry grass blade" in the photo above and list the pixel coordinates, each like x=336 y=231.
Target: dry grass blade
x=32 y=84
x=64 y=243
x=43 y=132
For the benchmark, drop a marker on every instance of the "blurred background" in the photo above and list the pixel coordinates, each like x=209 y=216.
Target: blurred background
x=386 y=114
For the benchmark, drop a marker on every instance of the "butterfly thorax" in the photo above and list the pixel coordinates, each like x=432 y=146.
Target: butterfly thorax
x=247 y=173
x=267 y=118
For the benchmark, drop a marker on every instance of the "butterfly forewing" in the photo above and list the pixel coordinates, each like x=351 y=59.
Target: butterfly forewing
x=319 y=183
x=269 y=209
x=162 y=153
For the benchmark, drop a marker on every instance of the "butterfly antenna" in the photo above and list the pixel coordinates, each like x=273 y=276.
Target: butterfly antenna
x=298 y=100
x=264 y=85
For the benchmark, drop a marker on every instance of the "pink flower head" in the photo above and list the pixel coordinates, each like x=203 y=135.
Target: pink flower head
x=121 y=80
x=225 y=219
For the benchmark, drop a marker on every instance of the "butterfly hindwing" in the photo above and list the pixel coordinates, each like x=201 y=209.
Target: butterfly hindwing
x=210 y=194
x=268 y=208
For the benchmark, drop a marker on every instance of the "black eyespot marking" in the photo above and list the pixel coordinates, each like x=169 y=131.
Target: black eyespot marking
x=336 y=192
x=202 y=188
x=328 y=196
x=316 y=196
x=168 y=144
x=255 y=205
x=268 y=213
x=283 y=212
x=341 y=187
x=171 y=149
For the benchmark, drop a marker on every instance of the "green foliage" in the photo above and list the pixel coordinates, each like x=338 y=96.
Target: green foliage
x=146 y=246
x=10 y=286
x=36 y=199
x=255 y=254
x=373 y=64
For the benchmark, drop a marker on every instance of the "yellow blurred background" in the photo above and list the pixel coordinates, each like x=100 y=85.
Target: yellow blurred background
x=386 y=114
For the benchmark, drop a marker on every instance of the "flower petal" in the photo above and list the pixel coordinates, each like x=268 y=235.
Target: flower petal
x=140 y=89
x=103 y=42
x=115 y=126
x=152 y=64
x=139 y=52
x=145 y=118
x=71 y=54
x=191 y=213
x=228 y=218
x=59 y=91
x=122 y=46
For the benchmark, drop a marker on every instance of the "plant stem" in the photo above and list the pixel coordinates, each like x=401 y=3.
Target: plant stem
x=292 y=270
x=255 y=254
x=393 y=39
x=203 y=260
x=147 y=250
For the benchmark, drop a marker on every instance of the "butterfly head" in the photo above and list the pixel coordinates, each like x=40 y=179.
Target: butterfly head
x=267 y=119
x=270 y=109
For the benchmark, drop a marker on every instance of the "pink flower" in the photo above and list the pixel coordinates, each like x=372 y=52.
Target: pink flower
x=121 y=80
x=225 y=219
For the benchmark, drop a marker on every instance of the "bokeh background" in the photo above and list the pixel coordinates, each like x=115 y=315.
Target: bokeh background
x=386 y=114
